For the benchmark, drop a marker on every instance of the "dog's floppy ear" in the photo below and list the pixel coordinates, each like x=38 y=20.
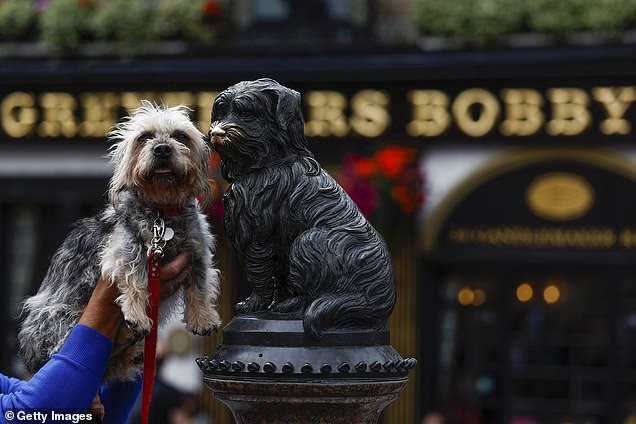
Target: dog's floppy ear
x=287 y=101
x=288 y=106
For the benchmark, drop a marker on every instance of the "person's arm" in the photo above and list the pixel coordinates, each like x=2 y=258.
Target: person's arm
x=69 y=380
x=73 y=375
x=10 y=384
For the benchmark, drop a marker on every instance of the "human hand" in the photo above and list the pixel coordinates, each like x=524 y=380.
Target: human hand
x=97 y=409
x=170 y=273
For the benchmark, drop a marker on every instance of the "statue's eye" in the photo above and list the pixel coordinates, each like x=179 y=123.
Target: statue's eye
x=243 y=112
x=242 y=108
x=219 y=110
x=180 y=136
x=145 y=136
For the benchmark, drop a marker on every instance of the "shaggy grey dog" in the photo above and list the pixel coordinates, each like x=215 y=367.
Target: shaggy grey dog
x=160 y=162
x=305 y=246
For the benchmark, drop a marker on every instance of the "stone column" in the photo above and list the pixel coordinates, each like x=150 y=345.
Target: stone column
x=268 y=371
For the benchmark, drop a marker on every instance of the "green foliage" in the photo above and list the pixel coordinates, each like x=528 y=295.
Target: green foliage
x=557 y=17
x=123 y=20
x=181 y=19
x=610 y=16
x=65 y=23
x=17 y=19
x=469 y=19
x=440 y=17
x=489 y=19
x=567 y=16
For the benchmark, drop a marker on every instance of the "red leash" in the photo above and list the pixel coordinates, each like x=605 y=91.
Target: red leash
x=155 y=254
x=150 y=342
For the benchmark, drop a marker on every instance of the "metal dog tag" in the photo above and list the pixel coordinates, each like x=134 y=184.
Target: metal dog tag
x=168 y=234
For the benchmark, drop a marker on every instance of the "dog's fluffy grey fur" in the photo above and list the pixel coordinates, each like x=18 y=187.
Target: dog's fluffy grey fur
x=306 y=247
x=160 y=159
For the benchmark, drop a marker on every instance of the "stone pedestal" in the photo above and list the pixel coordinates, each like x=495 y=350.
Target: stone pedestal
x=268 y=371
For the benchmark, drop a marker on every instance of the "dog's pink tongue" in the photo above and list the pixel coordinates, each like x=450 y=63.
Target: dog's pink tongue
x=163 y=171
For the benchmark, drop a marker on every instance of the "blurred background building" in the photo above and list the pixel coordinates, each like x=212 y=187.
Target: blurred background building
x=491 y=142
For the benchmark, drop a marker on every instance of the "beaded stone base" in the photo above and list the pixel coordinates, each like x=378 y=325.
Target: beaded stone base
x=268 y=370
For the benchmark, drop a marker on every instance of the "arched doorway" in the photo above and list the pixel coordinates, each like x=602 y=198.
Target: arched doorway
x=530 y=304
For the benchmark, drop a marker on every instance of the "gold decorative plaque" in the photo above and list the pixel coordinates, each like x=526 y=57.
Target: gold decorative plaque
x=559 y=196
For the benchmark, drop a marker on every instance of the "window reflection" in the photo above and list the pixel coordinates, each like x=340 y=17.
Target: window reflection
x=542 y=348
x=340 y=21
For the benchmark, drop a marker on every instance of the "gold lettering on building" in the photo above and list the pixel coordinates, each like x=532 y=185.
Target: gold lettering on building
x=570 y=114
x=175 y=98
x=616 y=101
x=58 y=115
x=523 y=114
x=538 y=237
x=475 y=111
x=100 y=113
x=430 y=113
x=131 y=100
x=370 y=116
x=204 y=109
x=326 y=114
x=19 y=116
x=627 y=238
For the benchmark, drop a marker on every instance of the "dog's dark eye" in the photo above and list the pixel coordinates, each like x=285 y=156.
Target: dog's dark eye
x=145 y=136
x=180 y=136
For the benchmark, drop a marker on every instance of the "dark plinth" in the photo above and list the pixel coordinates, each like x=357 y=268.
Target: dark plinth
x=267 y=370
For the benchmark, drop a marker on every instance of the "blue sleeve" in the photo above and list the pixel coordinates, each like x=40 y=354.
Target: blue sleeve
x=10 y=384
x=119 y=399
x=69 y=380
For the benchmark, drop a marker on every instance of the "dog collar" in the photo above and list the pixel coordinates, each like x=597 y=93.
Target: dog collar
x=170 y=211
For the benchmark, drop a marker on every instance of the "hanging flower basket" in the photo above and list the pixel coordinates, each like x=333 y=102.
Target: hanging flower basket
x=387 y=186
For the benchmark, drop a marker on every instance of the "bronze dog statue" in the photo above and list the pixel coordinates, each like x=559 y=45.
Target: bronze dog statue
x=305 y=245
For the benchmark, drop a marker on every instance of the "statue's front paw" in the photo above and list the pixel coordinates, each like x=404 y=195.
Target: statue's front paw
x=292 y=304
x=254 y=303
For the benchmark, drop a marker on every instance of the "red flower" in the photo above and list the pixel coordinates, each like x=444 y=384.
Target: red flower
x=211 y=8
x=392 y=160
x=384 y=184
x=364 y=167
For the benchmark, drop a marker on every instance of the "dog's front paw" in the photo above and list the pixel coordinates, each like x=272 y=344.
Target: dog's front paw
x=203 y=332
x=139 y=327
x=254 y=303
x=202 y=323
x=135 y=333
x=135 y=317
x=127 y=337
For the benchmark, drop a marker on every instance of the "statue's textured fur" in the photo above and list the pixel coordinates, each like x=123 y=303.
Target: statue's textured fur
x=305 y=246
x=160 y=159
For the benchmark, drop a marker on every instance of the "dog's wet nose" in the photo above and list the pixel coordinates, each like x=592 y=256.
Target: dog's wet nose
x=162 y=151
x=217 y=132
